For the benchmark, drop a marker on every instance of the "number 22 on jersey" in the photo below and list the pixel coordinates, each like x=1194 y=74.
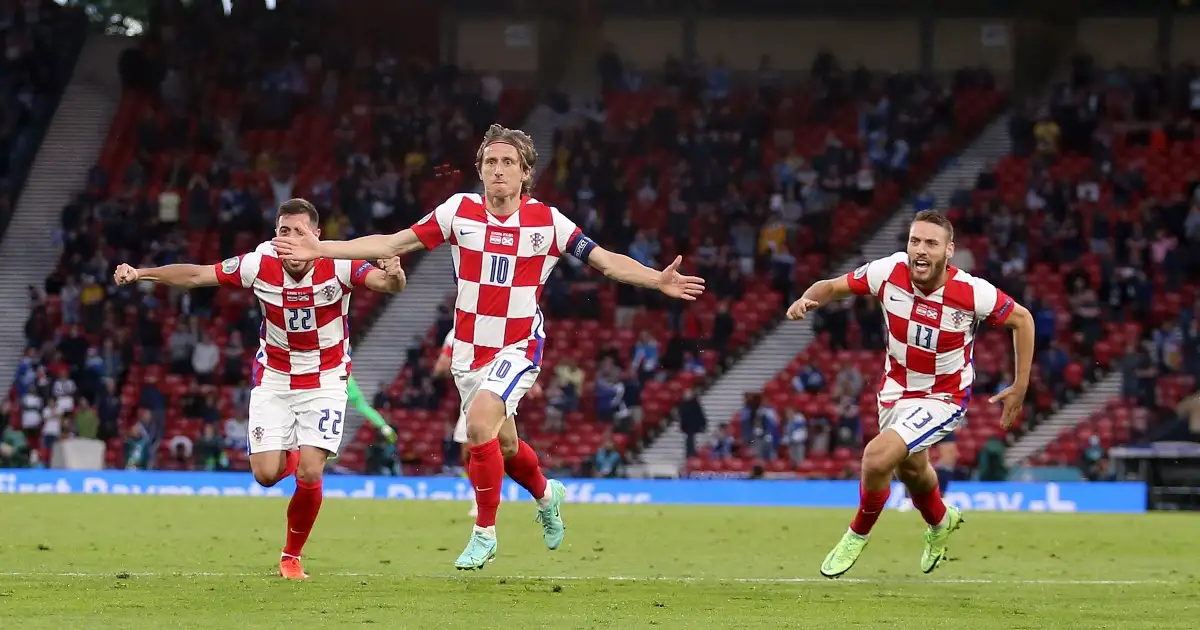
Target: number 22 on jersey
x=301 y=320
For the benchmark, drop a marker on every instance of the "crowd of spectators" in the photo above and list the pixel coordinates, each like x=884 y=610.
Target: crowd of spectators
x=723 y=170
x=220 y=122
x=1094 y=222
x=41 y=41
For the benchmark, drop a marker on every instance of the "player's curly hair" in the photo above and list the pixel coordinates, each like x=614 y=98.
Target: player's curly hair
x=520 y=141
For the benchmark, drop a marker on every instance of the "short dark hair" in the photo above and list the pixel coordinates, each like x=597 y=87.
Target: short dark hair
x=936 y=218
x=300 y=206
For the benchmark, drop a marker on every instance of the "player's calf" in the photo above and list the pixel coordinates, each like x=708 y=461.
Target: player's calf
x=879 y=462
x=303 y=509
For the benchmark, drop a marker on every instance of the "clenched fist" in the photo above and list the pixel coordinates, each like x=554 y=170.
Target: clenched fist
x=391 y=266
x=125 y=275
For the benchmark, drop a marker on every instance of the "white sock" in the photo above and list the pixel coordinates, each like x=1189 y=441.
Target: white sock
x=544 y=501
x=942 y=523
x=489 y=531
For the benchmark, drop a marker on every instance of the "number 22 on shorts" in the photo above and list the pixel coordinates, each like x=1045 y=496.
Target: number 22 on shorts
x=327 y=428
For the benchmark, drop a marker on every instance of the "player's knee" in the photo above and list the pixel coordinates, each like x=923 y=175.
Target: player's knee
x=267 y=478
x=484 y=417
x=309 y=472
x=884 y=454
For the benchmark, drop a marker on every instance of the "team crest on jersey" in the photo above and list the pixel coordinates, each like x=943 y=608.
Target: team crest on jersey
x=258 y=433
x=230 y=265
x=860 y=272
x=327 y=292
x=957 y=318
x=537 y=239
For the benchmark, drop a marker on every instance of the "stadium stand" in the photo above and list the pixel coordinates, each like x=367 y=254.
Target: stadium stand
x=216 y=127
x=642 y=174
x=43 y=41
x=1094 y=221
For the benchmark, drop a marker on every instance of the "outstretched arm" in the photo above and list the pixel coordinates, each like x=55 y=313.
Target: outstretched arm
x=181 y=275
x=429 y=232
x=307 y=246
x=624 y=269
x=819 y=294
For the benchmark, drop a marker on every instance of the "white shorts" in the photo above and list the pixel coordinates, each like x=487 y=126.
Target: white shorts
x=284 y=420
x=510 y=376
x=460 y=427
x=921 y=422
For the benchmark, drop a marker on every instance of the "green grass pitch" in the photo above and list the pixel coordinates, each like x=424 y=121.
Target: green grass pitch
x=192 y=562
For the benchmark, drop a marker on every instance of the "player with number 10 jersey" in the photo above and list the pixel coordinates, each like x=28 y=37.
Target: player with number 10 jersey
x=504 y=244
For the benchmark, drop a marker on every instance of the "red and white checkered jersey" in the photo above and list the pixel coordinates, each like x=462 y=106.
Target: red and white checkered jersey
x=501 y=265
x=931 y=337
x=304 y=342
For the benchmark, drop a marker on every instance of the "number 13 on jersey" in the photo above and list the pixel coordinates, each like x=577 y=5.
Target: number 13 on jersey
x=923 y=337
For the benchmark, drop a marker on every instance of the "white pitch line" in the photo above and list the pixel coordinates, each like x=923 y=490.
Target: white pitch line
x=606 y=578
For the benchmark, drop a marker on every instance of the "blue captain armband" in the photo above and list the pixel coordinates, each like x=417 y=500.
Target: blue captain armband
x=580 y=246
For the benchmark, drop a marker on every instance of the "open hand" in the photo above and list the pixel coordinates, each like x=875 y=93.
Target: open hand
x=677 y=285
x=1012 y=399
x=302 y=246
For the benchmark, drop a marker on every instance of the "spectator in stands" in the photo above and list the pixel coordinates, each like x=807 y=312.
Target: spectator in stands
x=86 y=422
x=181 y=345
x=138 y=448
x=809 y=379
x=760 y=431
x=1046 y=133
x=795 y=434
x=205 y=358
x=724 y=445
x=233 y=357
x=692 y=421
x=236 y=431
x=209 y=451
x=645 y=361
x=610 y=393
x=848 y=383
x=608 y=462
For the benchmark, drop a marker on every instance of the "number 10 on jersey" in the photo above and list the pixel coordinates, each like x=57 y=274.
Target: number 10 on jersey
x=500 y=269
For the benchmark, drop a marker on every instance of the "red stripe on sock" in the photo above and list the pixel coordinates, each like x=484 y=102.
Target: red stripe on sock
x=870 y=507
x=301 y=514
x=525 y=470
x=486 y=473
